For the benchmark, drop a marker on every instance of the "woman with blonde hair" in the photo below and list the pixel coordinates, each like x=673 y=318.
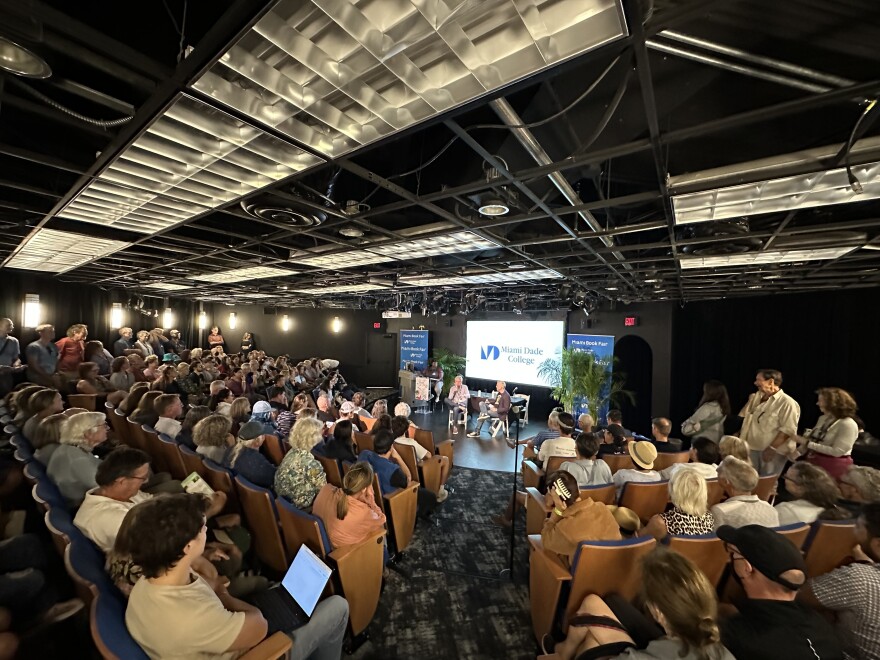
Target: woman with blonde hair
x=350 y=513
x=47 y=437
x=829 y=443
x=679 y=598
x=212 y=437
x=72 y=465
x=732 y=445
x=145 y=413
x=239 y=412
x=300 y=476
x=43 y=403
x=130 y=403
x=379 y=408
x=689 y=515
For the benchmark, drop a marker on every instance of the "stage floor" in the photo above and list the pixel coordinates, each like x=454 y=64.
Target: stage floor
x=483 y=453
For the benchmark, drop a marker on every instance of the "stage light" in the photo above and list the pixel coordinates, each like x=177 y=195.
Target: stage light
x=168 y=318
x=32 y=311
x=203 y=321
x=116 y=316
x=21 y=61
x=232 y=320
x=285 y=323
x=336 y=325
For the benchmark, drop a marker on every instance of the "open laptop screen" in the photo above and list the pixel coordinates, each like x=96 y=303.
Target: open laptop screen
x=306 y=578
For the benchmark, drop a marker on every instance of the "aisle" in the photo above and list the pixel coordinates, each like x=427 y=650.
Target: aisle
x=455 y=605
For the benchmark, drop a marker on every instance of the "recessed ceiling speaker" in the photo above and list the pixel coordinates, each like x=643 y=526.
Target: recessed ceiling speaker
x=284 y=214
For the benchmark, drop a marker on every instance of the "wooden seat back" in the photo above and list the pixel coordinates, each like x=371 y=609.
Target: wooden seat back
x=706 y=551
x=796 y=533
x=171 y=457
x=331 y=469
x=301 y=528
x=362 y=440
x=646 y=499
x=618 y=462
x=135 y=437
x=665 y=460
x=828 y=544
x=425 y=438
x=408 y=454
x=400 y=509
x=274 y=448
x=369 y=422
x=555 y=462
x=153 y=446
x=258 y=508
x=605 y=493
x=219 y=478
x=87 y=401
x=714 y=492
x=192 y=462
x=766 y=488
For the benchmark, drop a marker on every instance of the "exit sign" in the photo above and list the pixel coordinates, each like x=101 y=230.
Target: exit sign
x=630 y=321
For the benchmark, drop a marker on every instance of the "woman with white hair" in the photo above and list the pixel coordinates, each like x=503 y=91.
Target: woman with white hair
x=73 y=465
x=689 y=515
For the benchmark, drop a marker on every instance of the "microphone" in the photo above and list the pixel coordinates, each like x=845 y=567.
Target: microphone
x=515 y=389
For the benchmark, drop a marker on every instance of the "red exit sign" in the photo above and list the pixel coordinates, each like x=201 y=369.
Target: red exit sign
x=630 y=321
x=377 y=325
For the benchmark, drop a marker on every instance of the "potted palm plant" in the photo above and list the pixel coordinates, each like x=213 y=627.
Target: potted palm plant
x=577 y=375
x=451 y=364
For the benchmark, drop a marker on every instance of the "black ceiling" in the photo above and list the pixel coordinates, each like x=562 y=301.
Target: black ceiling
x=696 y=85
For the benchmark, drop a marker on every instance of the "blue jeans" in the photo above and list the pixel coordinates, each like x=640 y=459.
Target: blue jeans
x=766 y=468
x=321 y=638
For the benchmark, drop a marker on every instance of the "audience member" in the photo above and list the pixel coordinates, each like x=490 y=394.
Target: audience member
x=90 y=382
x=643 y=455
x=151 y=368
x=380 y=407
x=72 y=465
x=95 y=352
x=713 y=409
x=615 y=417
x=770 y=421
x=142 y=345
x=193 y=416
x=239 y=412
x=42 y=357
x=350 y=513
x=587 y=469
x=217 y=624
x=660 y=430
x=245 y=458
x=358 y=399
x=47 y=437
x=399 y=430
x=71 y=348
x=704 y=458
x=573 y=519
x=387 y=463
x=43 y=402
x=221 y=402
x=562 y=445
x=861 y=484
x=689 y=515
x=614 y=441
x=124 y=343
x=146 y=414
x=130 y=403
x=815 y=493
x=324 y=413
x=852 y=593
x=300 y=476
x=121 y=376
x=212 y=437
x=340 y=445
x=742 y=507
x=169 y=408
x=732 y=445
x=383 y=423
x=10 y=356
x=771 y=624
x=263 y=414
x=284 y=419
x=679 y=599
x=829 y=443
x=585 y=423
x=552 y=431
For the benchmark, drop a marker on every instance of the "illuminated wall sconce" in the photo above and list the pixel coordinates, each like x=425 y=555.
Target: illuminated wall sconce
x=203 y=321
x=116 y=320
x=232 y=320
x=168 y=318
x=336 y=326
x=32 y=312
x=285 y=323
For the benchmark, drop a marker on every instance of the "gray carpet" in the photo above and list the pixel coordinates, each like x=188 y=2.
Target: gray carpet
x=456 y=604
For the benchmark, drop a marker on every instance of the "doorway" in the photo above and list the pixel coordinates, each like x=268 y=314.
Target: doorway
x=381 y=360
x=636 y=360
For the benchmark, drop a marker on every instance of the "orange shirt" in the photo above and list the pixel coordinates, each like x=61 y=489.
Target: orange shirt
x=582 y=521
x=361 y=519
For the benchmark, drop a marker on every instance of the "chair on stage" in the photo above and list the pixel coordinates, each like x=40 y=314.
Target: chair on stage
x=599 y=567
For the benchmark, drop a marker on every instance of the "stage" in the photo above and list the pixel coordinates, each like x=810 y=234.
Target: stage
x=483 y=453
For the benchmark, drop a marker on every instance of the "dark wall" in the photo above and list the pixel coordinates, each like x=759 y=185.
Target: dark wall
x=64 y=304
x=815 y=340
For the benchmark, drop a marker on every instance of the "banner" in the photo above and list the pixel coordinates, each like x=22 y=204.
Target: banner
x=414 y=348
x=602 y=346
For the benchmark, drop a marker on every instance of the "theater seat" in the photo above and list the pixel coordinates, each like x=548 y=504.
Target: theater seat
x=331 y=469
x=828 y=544
x=219 y=478
x=425 y=438
x=707 y=551
x=192 y=462
x=646 y=499
x=766 y=488
x=87 y=401
x=362 y=440
x=715 y=493
x=400 y=509
x=618 y=462
x=171 y=457
x=665 y=460
x=796 y=533
x=429 y=473
x=274 y=448
x=599 y=567
x=258 y=508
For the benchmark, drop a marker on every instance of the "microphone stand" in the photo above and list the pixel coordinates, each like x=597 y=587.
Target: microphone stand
x=509 y=569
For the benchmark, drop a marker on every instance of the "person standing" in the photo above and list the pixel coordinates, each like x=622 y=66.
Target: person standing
x=42 y=357
x=770 y=421
x=829 y=444
x=708 y=419
x=124 y=343
x=71 y=349
x=10 y=356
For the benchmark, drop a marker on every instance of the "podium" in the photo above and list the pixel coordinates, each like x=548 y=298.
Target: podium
x=414 y=388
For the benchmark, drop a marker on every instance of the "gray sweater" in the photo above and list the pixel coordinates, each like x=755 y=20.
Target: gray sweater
x=73 y=471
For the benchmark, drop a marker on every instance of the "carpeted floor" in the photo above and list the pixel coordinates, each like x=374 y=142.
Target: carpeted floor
x=456 y=603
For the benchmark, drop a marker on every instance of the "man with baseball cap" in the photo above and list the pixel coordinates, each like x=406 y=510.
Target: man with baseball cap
x=643 y=454
x=771 y=623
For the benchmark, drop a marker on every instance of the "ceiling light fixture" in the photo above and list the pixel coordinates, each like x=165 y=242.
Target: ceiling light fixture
x=21 y=61
x=769 y=257
x=242 y=274
x=53 y=251
x=351 y=232
x=493 y=206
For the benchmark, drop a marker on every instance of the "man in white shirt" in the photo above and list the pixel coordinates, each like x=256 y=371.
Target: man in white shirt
x=704 y=459
x=169 y=407
x=458 y=398
x=643 y=454
x=400 y=431
x=563 y=445
x=770 y=421
x=742 y=507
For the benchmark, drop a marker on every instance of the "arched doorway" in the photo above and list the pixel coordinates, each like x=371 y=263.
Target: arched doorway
x=636 y=360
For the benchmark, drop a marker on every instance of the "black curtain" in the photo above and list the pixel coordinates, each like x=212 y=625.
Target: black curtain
x=815 y=340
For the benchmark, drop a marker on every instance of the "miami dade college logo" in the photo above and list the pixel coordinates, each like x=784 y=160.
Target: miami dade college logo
x=489 y=353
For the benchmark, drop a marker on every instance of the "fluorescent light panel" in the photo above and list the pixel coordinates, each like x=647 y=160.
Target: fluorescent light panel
x=777 y=195
x=339 y=74
x=164 y=286
x=191 y=159
x=771 y=257
x=54 y=251
x=242 y=274
x=485 y=278
x=342 y=288
x=340 y=260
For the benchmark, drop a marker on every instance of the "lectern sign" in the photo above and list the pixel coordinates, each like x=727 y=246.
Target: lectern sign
x=414 y=349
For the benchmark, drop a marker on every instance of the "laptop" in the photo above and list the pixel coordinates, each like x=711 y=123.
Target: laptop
x=290 y=605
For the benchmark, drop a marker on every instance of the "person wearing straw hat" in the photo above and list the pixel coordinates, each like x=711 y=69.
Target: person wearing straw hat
x=643 y=455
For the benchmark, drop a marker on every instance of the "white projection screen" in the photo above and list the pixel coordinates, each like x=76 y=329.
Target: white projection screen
x=512 y=350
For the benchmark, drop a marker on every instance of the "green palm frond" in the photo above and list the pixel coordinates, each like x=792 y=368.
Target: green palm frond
x=580 y=374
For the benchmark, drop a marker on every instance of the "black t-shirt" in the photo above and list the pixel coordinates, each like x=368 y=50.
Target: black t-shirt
x=779 y=630
x=671 y=446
